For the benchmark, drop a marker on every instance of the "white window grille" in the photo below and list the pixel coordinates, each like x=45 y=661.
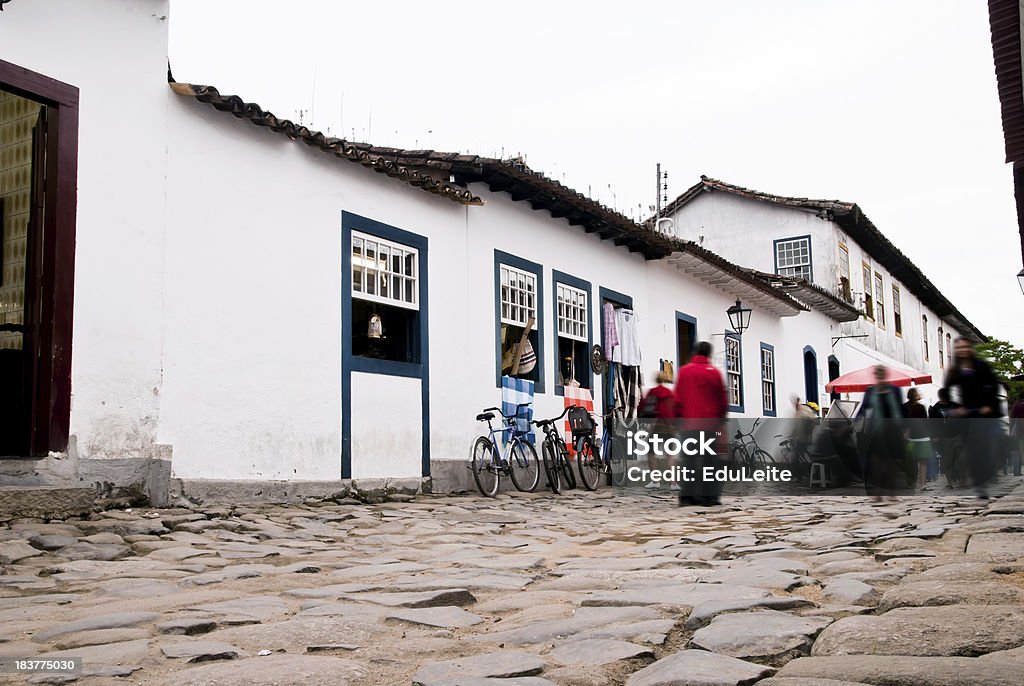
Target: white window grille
x=924 y=335
x=897 y=316
x=938 y=348
x=768 y=379
x=733 y=371
x=793 y=258
x=949 y=351
x=384 y=271
x=879 y=300
x=844 y=273
x=518 y=296
x=572 y=312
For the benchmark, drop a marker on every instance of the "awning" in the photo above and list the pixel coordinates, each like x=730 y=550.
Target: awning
x=863 y=379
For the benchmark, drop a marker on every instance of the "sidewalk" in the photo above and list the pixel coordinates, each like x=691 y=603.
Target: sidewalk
x=528 y=590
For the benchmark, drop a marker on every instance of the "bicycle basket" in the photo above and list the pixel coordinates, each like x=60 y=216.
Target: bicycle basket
x=580 y=422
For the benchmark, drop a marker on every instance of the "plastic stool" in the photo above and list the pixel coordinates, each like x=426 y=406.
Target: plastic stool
x=818 y=475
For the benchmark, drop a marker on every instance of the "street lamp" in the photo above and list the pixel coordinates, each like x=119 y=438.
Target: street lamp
x=739 y=317
x=1020 y=280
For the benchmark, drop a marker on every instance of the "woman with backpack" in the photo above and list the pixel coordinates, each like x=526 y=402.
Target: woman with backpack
x=659 y=403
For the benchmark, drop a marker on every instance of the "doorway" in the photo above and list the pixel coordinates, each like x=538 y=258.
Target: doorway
x=833 y=373
x=38 y=177
x=810 y=375
x=686 y=338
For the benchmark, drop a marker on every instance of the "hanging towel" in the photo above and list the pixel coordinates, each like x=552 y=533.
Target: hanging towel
x=513 y=392
x=611 y=334
x=628 y=350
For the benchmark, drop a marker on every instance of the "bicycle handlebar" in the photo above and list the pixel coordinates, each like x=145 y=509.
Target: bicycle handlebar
x=543 y=422
x=507 y=416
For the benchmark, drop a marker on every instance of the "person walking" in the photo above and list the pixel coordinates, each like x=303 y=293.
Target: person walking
x=1017 y=433
x=881 y=443
x=702 y=406
x=917 y=432
x=946 y=439
x=978 y=387
x=659 y=406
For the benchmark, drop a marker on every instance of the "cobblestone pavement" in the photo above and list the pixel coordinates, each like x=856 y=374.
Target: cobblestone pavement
x=528 y=590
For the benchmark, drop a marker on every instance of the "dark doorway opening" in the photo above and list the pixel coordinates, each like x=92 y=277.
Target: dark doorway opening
x=38 y=176
x=810 y=375
x=833 y=373
x=686 y=338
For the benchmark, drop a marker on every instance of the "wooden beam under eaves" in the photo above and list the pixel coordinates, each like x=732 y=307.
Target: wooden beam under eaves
x=521 y=192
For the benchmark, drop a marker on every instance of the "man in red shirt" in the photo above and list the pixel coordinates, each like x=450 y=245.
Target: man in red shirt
x=702 y=404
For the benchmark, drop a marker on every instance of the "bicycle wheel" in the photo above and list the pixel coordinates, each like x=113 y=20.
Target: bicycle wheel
x=762 y=458
x=550 y=467
x=524 y=467
x=568 y=477
x=616 y=464
x=589 y=463
x=483 y=463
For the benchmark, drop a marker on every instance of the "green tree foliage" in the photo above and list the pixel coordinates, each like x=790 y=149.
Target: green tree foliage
x=1007 y=361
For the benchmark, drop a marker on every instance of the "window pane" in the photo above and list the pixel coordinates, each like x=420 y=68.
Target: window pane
x=410 y=291
x=396 y=261
x=396 y=287
x=357 y=278
x=371 y=281
x=371 y=253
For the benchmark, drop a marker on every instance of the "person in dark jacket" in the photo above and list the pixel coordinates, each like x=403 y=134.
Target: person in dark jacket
x=979 y=399
x=882 y=443
x=1017 y=433
x=702 y=404
x=917 y=431
x=946 y=439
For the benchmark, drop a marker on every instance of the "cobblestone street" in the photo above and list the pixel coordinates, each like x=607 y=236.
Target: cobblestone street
x=528 y=590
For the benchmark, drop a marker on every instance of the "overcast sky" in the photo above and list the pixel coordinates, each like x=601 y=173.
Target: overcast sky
x=892 y=105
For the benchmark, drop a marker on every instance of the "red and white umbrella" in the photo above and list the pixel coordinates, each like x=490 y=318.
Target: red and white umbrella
x=863 y=379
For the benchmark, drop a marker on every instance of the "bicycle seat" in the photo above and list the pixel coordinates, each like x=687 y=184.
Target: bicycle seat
x=485 y=416
x=542 y=422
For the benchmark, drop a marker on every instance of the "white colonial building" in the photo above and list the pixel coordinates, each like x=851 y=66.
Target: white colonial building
x=900 y=318
x=224 y=297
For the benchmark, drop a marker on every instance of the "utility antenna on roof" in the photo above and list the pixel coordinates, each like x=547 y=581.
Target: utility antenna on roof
x=369 y=126
x=341 y=114
x=312 y=99
x=662 y=187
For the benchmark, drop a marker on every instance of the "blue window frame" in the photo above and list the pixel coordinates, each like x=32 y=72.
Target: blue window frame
x=734 y=371
x=573 y=338
x=414 y=328
x=519 y=302
x=793 y=257
x=768 y=397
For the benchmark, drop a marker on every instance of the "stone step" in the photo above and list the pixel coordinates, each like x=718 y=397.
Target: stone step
x=44 y=502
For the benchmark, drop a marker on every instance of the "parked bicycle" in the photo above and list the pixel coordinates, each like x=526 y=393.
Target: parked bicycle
x=584 y=438
x=745 y=452
x=517 y=458
x=613 y=456
x=555 y=454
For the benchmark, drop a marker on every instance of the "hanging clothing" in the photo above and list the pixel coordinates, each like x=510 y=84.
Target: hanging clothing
x=628 y=350
x=628 y=390
x=611 y=333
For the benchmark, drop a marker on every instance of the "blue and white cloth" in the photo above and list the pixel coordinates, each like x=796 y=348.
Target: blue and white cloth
x=514 y=392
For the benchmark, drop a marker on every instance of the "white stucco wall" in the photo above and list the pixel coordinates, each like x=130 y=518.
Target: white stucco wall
x=744 y=230
x=116 y=347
